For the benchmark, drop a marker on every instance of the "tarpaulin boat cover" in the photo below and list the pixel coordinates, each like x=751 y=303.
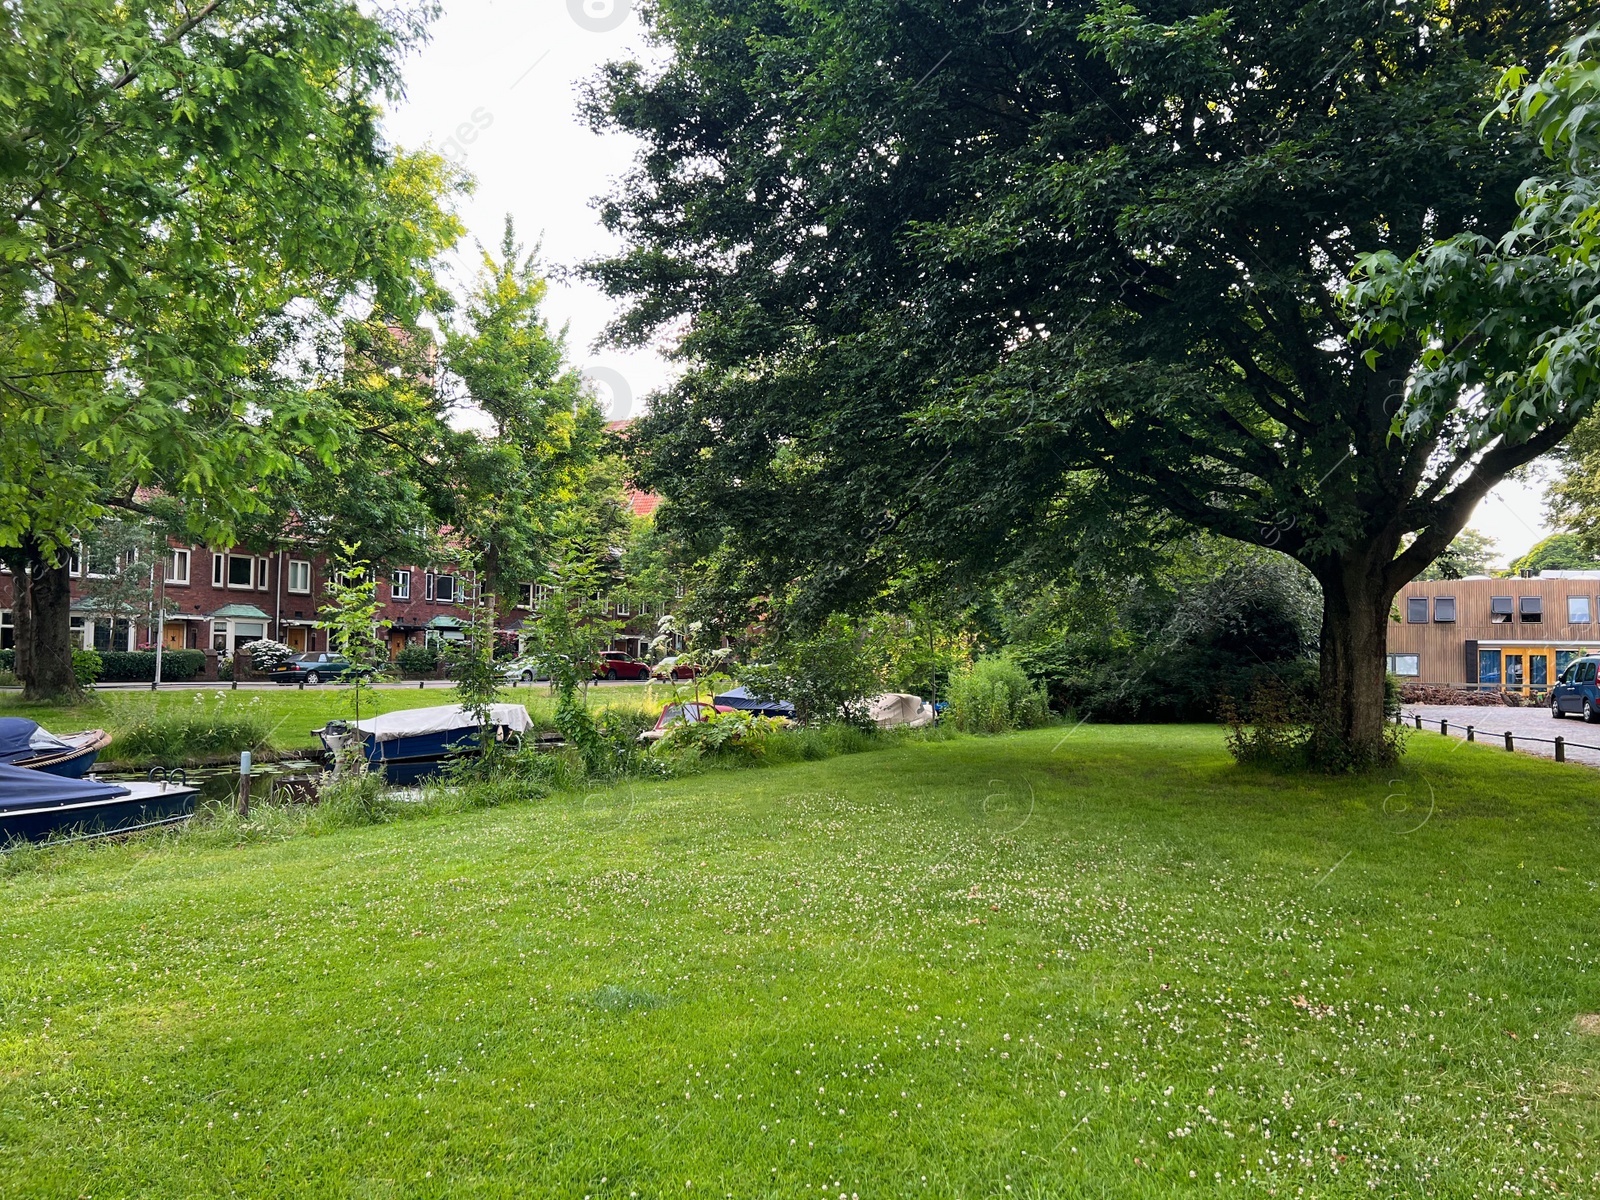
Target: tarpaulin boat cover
x=22 y=738
x=416 y=722
x=23 y=788
x=893 y=709
x=764 y=706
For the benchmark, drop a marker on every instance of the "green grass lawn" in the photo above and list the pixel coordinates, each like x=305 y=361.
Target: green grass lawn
x=1102 y=965
x=292 y=713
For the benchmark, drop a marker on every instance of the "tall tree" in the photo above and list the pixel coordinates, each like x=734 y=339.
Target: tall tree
x=940 y=273
x=511 y=488
x=184 y=192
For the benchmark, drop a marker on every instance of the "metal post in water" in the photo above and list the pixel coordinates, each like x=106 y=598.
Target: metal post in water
x=244 y=783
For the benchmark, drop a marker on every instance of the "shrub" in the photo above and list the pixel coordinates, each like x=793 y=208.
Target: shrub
x=8 y=660
x=139 y=666
x=731 y=737
x=266 y=654
x=86 y=667
x=827 y=676
x=994 y=695
x=225 y=667
x=417 y=660
x=189 y=733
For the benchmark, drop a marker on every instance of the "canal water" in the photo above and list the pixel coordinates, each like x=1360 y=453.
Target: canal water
x=221 y=784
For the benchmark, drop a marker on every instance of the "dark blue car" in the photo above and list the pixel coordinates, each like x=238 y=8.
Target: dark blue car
x=1576 y=691
x=311 y=668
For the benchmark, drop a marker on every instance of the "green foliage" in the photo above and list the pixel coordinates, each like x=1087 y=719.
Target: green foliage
x=198 y=730
x=565 y=637
x=994 y=695
x=417 y=660
x=139 y=666
x=221 y=178
x=477 y=686
x=1558 y=552
x=828 y=675
x=731 y=736
x=350 y=617
x=1470 y=553
x=86 y=666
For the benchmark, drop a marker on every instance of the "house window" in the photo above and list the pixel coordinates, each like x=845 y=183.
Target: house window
x=219 y=636
x=1563 y=658
x=400 y=585
x=1578 y=610
x=1404 y=665
x=263 y=566
x=1531 y=609
x=444 y=588
x=241 y=571
x=1489 y=667
x=300 y=576
x=1499 y=613
x=524 y=595
x=245 y=632
x=98 y=563
x=219 y=564
x=1417 y=610
x=80 y=636
x=8 y=630
x=177 y=569
x=75 y=560
x=622 y=606
x=1444 y=609
x=428 y=579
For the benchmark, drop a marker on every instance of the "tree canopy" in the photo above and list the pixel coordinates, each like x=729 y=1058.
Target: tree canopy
x=955 y=282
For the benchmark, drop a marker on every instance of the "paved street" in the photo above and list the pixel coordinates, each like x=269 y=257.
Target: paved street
x=1490 y=726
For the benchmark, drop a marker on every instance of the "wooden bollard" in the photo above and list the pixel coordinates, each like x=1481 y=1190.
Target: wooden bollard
x=1509 y=745
x=244 y=783
x=1561 y=748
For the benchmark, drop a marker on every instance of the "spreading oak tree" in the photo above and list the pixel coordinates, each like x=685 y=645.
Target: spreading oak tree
x=948 y=281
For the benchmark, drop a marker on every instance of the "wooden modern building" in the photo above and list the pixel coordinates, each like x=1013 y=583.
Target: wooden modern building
x=1482 y=633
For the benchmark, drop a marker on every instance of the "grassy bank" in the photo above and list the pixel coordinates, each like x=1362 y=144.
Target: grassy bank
x=1105 y=964
x=288 y=715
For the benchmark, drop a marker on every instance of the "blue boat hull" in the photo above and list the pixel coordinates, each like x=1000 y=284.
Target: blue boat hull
x=146 y=806
x=409 y=759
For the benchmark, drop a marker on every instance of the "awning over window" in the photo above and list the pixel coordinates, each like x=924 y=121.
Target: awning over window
x=239 y=612
x=443 y=622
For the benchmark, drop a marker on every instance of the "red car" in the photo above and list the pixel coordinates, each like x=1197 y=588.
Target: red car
x=614 y=664
x=675 y=668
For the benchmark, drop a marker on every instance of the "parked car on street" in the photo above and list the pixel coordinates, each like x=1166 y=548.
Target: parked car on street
x=1577 y=690
x=311 y=668
x=614 y=664
x=681 y=714
x=675 y=668
x=522 y=670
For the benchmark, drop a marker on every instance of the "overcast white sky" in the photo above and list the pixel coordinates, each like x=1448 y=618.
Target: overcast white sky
x=497 y=91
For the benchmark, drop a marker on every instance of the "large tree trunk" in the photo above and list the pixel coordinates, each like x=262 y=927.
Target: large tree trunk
x=1350 y=732
x=49 y=634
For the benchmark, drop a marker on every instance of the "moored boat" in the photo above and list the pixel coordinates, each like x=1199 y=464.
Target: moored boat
x=24 y=744
x=36 y=806
x=414 y=743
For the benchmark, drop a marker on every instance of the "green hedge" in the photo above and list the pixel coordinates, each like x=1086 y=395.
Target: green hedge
x=134 y=666
x=139 y=666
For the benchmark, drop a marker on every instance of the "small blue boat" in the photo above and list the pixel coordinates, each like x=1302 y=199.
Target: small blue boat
x=24 y=744
x=414 y=743
x=36 y=806
x=761 y=706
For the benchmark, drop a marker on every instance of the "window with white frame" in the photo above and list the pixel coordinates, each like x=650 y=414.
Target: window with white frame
x=263 y=572
x=219 y=636
x=622 y=606
x=177 y=568
x=8 y=630
x=400 y=585
x=219 y=567
x=241 y=572
x=444 y=589
x=299 y=581
x=524 y=595
x=75 y=560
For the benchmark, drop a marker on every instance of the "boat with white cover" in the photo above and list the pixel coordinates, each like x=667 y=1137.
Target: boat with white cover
x=415 y=742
